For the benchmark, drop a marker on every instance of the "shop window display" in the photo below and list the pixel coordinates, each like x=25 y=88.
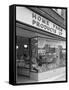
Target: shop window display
x=46 y=55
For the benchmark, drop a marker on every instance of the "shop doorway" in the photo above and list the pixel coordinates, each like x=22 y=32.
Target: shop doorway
x=23 y=56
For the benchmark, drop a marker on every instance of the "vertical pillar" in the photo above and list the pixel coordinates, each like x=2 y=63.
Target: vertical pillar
x=30 y=54
x=58 y=56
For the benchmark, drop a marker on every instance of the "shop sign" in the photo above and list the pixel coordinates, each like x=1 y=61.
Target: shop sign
x=29 y=17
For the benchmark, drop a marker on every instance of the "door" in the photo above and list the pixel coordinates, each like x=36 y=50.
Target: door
x=23 y=56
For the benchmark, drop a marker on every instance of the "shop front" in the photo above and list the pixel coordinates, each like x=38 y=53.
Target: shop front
x=40 y=46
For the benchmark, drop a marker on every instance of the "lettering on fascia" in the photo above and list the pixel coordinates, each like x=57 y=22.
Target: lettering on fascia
x=40 y=19
x=42 y=23
x=45 y=24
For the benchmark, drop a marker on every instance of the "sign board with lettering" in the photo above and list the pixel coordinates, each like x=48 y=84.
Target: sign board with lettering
x=29 y=17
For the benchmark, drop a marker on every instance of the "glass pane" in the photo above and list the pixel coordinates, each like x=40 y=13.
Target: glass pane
x=51 y=54
x=47 y=54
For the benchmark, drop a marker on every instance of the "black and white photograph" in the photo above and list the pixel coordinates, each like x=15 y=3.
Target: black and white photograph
x=39 y=46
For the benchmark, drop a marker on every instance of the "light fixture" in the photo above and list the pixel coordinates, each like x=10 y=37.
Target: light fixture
x=17 y=47
x=25 y=46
